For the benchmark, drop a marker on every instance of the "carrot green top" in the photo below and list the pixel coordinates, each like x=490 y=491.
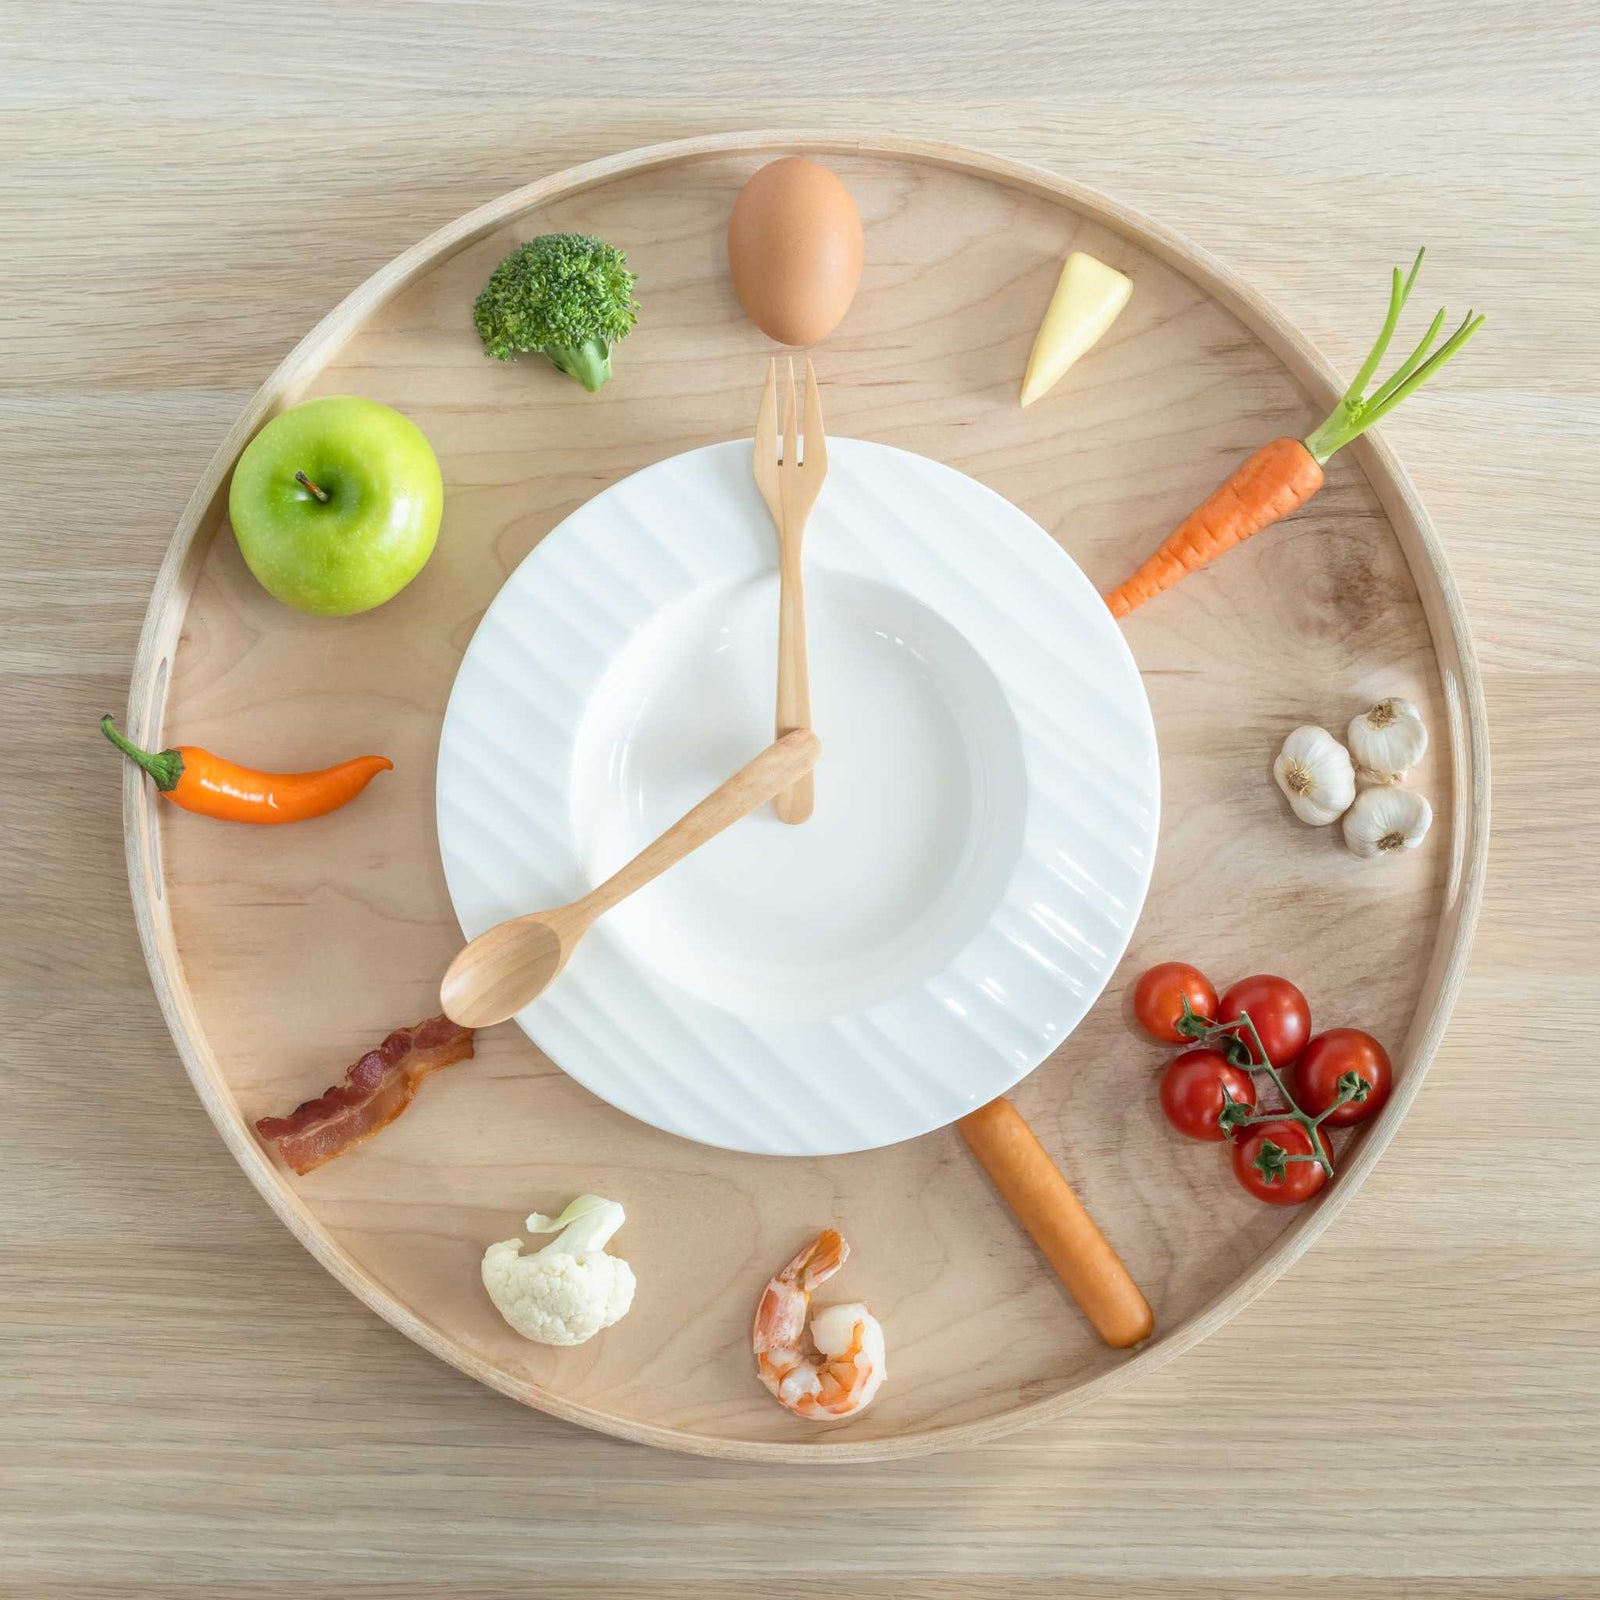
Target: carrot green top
x=1357 y=411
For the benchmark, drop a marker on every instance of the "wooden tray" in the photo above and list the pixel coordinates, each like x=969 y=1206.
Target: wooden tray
x=280 y=955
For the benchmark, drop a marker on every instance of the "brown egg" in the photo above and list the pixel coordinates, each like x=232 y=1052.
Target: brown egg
x=794 y=248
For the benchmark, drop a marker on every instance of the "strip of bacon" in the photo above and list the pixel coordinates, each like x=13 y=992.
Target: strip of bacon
x=374 y=1092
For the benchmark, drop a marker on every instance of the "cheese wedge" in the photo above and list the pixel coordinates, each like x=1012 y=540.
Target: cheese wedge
x=1086 y=302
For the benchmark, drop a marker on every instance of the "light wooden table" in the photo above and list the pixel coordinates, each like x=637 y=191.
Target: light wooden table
x=188 y=1405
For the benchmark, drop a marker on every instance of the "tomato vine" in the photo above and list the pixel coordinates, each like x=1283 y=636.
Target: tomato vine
x=1241 y=1044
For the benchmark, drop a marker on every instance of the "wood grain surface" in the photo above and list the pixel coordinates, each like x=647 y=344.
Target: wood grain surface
x=192 y=1406
x=333 y=934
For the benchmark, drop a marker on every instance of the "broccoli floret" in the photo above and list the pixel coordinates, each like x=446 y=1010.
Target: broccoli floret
x=567 y=295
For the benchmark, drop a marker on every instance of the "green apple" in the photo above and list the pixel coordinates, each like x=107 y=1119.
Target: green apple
x=336 y=505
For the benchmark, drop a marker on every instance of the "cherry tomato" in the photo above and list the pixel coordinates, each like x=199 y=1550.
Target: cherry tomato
x=1192 y=1092
x=1159 y=995
x=1299 y=1179
x=1279 y=1011
x=1326 y=1059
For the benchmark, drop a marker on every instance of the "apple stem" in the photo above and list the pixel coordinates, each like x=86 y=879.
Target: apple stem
x=305 y=482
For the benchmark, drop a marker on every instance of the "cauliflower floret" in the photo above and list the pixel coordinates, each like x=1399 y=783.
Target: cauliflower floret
x=570 y=1290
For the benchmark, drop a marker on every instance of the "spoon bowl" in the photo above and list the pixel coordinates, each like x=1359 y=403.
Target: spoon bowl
x=494 y=977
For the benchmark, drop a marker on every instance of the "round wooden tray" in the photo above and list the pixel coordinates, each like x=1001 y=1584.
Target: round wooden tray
x=280 y=955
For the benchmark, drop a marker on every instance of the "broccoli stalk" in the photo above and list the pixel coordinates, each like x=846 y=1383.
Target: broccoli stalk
x=568 y=296
x=589 y=362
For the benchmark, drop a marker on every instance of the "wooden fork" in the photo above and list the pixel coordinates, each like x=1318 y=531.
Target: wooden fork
x=789 y=483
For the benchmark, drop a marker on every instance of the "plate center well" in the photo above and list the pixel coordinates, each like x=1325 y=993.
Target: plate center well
x=920 y=797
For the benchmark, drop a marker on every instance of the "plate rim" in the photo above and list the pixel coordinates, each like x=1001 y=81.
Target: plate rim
x=1413 y=529
x=1030 y=553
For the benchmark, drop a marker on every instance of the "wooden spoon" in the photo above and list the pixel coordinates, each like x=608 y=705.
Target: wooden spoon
x=502 y=970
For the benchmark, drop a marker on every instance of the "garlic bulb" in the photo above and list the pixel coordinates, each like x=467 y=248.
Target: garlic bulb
x=1313 y=769
x=1386 y=819
x=1388 y=740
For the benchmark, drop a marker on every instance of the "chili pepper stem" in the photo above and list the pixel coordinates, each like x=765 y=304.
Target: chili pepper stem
x=166 y=767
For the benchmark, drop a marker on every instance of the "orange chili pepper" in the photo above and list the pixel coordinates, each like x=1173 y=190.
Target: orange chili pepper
x=199 y=781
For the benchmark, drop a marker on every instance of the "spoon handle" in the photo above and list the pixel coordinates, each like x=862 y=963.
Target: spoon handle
x=773 y=771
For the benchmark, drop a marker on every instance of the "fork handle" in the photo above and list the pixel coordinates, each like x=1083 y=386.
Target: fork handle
x=794 y=681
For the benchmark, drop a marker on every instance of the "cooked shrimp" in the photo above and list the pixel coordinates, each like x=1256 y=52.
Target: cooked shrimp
x=845 y=1374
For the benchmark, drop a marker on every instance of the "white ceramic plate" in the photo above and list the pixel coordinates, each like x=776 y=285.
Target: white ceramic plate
x=986 y=813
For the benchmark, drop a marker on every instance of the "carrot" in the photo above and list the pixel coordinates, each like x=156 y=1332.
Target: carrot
x=1032 y=1185
x=1280 y=477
